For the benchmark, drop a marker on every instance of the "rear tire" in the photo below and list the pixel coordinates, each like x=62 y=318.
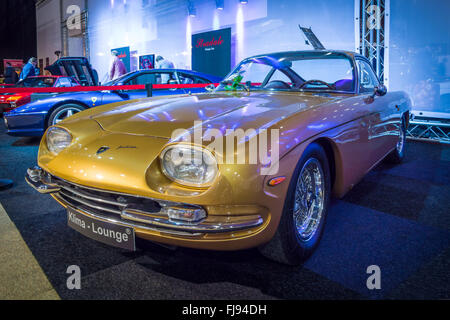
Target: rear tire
x=397 y=155
x=63 y=112
x=308 y=196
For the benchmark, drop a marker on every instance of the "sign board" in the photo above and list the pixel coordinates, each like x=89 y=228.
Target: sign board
x=15 y=63
x=147 y=62
x=124 y=55
x=211 y=52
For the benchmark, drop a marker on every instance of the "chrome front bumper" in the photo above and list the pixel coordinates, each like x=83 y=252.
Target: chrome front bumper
x=137 y=212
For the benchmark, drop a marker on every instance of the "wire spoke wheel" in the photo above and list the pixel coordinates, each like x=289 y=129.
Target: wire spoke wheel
x=401 y=140
x=309 y=199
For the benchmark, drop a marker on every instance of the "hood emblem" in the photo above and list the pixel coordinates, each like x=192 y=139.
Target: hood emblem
x=102 y=149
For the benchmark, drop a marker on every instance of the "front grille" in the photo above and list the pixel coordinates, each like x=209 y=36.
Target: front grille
x=103 y=202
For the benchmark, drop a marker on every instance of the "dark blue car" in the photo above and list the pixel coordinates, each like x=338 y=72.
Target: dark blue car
x=32 y=119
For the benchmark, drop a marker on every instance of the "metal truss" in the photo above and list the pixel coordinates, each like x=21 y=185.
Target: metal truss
x=372 y=34
x=429 y=126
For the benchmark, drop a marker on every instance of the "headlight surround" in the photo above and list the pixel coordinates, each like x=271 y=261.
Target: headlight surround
x=189 y=165
x=58 y=139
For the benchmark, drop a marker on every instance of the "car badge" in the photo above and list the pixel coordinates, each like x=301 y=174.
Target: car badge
x=102 y=149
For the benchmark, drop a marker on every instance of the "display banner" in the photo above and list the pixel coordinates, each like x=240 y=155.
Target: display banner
x=147 y=62
x=15 y=63
x=211 y=52
x=124 y=55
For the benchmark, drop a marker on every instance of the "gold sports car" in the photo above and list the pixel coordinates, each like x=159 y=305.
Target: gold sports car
x=252 y=163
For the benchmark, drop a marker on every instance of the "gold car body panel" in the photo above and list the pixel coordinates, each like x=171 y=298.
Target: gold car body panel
x=356 y=131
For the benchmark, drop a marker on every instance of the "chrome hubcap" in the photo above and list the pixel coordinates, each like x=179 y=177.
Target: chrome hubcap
x=401 y=141
x=309 y=199
x=64 y=113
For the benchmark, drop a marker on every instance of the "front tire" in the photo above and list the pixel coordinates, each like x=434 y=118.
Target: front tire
x=63 y=112
x=305 y=210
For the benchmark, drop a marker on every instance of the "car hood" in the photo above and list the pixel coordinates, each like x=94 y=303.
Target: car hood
x=160 y=118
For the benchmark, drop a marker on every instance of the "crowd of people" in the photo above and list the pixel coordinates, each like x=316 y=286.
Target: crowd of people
x=116 y=70
x=30 y=69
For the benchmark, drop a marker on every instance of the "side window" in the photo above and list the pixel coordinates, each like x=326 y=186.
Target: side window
x=143 y=79
x=166 y=78
x=185 y=78
x=154 y=78
x=63 y=82
x=189 y=78
x=367 y=78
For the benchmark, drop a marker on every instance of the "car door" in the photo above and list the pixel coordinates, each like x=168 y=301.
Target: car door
x=156 y=77
x=379 y=122
x=143 y=78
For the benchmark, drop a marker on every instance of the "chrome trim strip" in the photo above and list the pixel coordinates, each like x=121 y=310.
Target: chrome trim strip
x=201 y=227
x=40 y=186
x=174 y=227
x=99 y=199
x=125 y=223
x=89 y=204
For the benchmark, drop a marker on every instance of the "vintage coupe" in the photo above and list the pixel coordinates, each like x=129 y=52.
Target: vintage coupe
x=117 y=168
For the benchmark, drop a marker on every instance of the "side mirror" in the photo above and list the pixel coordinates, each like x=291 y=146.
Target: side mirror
x=380 y=90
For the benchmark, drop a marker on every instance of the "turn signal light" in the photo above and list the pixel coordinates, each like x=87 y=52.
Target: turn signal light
x=185 y=214
x=274 y=181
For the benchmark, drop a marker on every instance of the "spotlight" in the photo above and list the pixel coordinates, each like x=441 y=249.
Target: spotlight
x=243 y=1
x=191 y=9
x=219 y=4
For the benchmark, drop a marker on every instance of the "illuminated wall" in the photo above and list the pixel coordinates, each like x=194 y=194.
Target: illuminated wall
x=420 y=52
x=164 y=26
x=48 y=30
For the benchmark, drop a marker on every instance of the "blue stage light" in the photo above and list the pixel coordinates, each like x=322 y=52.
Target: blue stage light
x=219 y=4
x=191 y=9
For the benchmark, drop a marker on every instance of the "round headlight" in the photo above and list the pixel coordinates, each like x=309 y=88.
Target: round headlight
x=58 y=139
x=189 y=165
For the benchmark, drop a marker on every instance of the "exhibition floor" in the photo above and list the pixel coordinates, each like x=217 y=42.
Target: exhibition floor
x=397 y=218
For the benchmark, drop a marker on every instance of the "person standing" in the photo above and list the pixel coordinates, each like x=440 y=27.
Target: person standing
x=11 y=76
x=28 y=69
x=162 y=63
x=117 y=66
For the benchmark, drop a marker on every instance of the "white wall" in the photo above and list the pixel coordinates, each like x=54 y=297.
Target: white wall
x=48 y=29
x=261 y=26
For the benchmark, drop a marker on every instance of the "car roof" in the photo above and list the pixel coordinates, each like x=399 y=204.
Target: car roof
x=301 y=53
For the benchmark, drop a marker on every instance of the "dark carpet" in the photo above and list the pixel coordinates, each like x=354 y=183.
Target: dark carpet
x=397 y=218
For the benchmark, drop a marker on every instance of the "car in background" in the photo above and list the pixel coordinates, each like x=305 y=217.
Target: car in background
x=9 y=101
x=34 y=118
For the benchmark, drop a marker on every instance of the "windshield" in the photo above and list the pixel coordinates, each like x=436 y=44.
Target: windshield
x=37 y=82
x=318 y=72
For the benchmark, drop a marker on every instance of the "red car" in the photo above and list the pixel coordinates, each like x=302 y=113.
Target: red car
x=9 y=101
